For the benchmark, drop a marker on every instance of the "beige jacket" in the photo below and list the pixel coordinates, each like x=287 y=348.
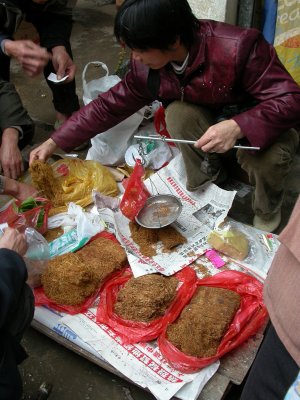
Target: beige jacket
x=282 y=287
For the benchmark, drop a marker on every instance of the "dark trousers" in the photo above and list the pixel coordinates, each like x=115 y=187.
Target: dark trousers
x=267 y=170
x=272 y=372
x=13 y=353
x=65 y=99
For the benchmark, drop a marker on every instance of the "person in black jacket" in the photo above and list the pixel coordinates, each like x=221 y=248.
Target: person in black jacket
x=53 y=21
x=16 y=128
x=16 y=311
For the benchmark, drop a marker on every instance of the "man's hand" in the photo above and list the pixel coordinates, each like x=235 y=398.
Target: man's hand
x=12 y=239
x=63 y=63
x=10 y=155
x=32 y=57
x=19 y=190
x=43 y=152
x=220 y=137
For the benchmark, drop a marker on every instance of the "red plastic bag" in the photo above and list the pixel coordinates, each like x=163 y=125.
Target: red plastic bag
x=135 y=332
x=160 y=124
x=36 y=217
x=248 y=319
x=40 y=298
x=135 y=194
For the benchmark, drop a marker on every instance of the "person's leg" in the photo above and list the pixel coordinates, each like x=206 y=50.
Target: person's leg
x=267 y=171
x=10 y=379
x=188 y=121
x=65 y=99
x=272 y=372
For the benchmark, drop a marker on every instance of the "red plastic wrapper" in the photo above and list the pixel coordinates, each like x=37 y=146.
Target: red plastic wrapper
x=248 y=319
x=135 y=332
x=160 y=124
x=135 y=194
x=42 y=300
x=33 y=213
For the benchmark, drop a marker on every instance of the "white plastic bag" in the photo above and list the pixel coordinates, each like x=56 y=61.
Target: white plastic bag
x=95 y=87
x=109 y=147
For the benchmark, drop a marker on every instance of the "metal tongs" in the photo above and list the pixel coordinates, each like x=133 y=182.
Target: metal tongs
x=165 y=139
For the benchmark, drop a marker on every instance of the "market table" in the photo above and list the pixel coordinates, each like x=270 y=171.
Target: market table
x=232 y=370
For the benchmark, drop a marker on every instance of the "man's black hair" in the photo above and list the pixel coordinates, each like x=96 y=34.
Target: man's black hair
x=155 y=24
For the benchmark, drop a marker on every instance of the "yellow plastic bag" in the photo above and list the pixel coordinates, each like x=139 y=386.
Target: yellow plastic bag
x=78 y=178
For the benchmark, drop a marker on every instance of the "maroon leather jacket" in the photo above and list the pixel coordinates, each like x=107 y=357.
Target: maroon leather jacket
x=227 y=65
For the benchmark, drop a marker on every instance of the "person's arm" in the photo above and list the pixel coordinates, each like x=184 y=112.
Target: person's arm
x=29 y=55
x=265 y=79
x=19 y=190
x=101 y=114
x=55 y=28
x=13 y=272
x=10 y=155
x=14 y=124
x=11 y=16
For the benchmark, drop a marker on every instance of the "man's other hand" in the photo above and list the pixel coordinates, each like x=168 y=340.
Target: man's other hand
x=12 y=239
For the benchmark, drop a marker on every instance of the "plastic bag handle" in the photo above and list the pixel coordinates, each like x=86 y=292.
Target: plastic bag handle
x=98 y=64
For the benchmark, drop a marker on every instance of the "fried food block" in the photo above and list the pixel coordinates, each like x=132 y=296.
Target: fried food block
x=71 y=278
x=170 y=238
x=103 y=256
x=53 y=234
x=44 y=180
x=146 y=298
x=67 y=280
x=202 y=324
x=147 y=239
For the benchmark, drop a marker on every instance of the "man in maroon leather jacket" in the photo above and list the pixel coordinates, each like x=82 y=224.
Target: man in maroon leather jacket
x=220 y=84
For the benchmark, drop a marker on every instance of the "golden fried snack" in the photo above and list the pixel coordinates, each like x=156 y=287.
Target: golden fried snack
x=67 y=280
x=71 y=278
x=103 y=256
x=202 y=324
x=145 y=298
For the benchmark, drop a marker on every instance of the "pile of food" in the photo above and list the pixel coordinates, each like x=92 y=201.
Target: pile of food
x=71 y=278
x=43 y=179
x=71 y=180
x=202 y=324
x=145 y=298
x=147 y=239
x=53 y=234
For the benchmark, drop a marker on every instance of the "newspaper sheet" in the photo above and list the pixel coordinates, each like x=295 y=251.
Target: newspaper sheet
x=142 y=363
x=202 y=210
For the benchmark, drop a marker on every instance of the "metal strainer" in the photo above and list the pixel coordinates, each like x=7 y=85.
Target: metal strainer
x=159 y=211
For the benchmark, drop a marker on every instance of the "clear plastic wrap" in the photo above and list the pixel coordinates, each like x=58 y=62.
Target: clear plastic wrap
x=36 y=257
x=230 y=240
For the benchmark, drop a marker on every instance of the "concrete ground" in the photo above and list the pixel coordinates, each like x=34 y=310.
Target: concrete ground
x=72 y=376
